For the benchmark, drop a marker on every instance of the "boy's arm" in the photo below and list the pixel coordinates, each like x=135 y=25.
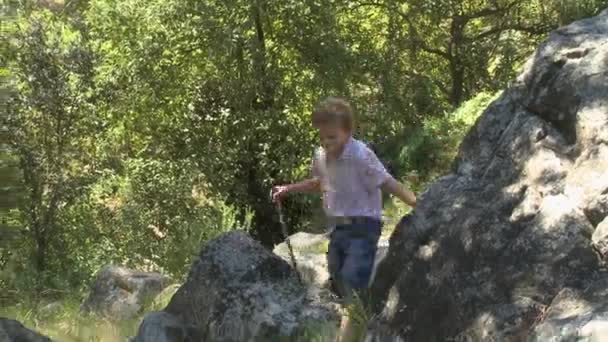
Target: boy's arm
x=375 y=175
x=307 y=185
x=391 y=185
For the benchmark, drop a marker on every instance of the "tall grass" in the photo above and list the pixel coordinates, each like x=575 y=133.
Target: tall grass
x=63 y=321
x=356 y=317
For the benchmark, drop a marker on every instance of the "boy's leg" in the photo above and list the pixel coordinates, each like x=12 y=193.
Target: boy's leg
x=347 y=330
x=359 y=260
x=360 y=255
x=356 y=271
x=335 y=259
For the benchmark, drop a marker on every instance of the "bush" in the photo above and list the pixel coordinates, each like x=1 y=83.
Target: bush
x=155 y=216
x=159 y=214
x=429 y=150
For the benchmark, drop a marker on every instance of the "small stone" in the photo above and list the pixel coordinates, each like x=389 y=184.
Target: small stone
x=119 y=293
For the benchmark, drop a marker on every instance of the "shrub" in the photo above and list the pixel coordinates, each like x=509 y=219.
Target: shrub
x=429 y=149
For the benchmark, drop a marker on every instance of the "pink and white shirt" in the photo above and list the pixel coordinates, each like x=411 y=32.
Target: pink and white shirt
x=351 y=183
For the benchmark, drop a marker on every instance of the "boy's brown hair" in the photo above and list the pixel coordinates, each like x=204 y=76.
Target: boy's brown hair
x=333 y=111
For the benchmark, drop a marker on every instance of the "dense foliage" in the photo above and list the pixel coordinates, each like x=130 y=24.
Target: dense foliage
x=133 y=130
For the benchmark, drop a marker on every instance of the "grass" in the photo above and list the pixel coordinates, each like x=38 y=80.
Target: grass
x=70 y=325
x=63 y=321
x=318 y=332
x=316 y=248
x=356 y=318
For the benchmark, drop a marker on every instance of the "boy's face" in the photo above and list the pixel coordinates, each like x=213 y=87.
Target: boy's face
x=333 y=138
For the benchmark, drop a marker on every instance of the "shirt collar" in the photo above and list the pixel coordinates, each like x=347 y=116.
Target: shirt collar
x=348 y=150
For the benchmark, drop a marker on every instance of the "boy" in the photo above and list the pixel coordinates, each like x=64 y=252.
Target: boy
x=350 y=177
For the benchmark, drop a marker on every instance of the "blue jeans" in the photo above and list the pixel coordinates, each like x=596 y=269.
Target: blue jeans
x=351 y=254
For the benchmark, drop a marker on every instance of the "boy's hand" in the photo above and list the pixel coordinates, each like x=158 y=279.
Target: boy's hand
x=279 y=192
x=309 y=185
x=403 y=193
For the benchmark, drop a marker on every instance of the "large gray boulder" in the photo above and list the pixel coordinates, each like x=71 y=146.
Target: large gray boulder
x=238 y=291
x=492 y=244
x=165 y=327
x=600 y=239
x=120 y=293
x=14 y=331
x=575 y=315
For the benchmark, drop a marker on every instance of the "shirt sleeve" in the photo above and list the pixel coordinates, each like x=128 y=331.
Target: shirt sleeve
x=372 y=170
x=315 y=167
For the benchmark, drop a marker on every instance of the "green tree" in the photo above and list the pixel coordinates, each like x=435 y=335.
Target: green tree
x=50 y=116
x=138 y=129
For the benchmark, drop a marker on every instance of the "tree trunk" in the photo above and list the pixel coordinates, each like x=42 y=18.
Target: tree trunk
x=455 y=61
x=457 y=73
x=41 y=249
x=264 y=224
x=265 y=98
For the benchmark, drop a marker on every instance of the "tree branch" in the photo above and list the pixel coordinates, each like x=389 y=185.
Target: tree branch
x=491 y=11
x=419 y=42
x=368 y=4
x=414 y=74
x=534 y=30
x=429 y=49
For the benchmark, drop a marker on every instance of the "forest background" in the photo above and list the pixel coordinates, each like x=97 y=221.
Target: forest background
x=134 y=131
